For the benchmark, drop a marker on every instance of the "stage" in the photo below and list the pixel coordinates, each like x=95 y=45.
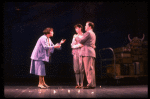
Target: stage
x=130 y=91
x=105 y=88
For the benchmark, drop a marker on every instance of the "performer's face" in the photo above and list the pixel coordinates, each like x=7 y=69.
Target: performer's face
x=77 y=29
x=87 y=27
x=51 y=33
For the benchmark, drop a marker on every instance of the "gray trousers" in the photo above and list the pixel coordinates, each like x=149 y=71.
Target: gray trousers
x=89 y=66
x=77 y=64
x=78 y=69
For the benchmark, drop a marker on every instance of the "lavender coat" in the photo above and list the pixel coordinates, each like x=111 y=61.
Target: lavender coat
x=42 y=51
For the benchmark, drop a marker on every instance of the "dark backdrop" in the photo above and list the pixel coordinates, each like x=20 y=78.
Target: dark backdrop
x=25 y=21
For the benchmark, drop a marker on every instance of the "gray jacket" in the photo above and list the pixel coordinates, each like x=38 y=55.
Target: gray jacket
x=88 y=40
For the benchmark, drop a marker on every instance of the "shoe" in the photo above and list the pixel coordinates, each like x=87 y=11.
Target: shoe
x=41 y=86
x=80 y=86
x=88 y=87
x=77 y=86
x=46 y=85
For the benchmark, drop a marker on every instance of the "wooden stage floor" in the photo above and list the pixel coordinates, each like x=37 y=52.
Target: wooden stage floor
x=104 y=91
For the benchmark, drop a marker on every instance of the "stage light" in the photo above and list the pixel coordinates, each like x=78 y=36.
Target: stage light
x=78 y=91
x=92 y=92
x=54 y=91
x=23 y=91
x=68 y=91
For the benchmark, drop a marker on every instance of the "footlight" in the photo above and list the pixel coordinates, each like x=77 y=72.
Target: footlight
x=68 y=91
x=54 y=91
x=78 y=91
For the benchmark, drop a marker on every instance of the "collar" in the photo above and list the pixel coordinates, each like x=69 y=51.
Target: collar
x=45 y=35
x=90 y=30
x=81 y=34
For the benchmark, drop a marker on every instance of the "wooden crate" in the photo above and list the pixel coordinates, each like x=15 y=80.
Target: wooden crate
x=145 y=57
x=144 y=51
x=139 y=68
x=124 y=69
x=136 y=51
x=145 y=66
x=110 y=70
x=122 y=55
x=122 y=49
x=145 y=44
x=127 y=60
x=137 y=58
x=127 y=69
x=131 y=69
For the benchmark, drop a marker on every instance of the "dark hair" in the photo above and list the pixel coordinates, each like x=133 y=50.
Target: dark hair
x=90 y=24
x=79 y=25
x=47 y=30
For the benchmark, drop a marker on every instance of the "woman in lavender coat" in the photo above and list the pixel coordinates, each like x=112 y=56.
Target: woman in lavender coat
x=41 y=53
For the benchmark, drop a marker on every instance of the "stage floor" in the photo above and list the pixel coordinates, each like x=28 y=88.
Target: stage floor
x=103 y=91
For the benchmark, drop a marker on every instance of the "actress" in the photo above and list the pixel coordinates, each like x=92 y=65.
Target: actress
x=41 y=54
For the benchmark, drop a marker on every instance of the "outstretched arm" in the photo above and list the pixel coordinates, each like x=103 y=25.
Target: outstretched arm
x=62 y=41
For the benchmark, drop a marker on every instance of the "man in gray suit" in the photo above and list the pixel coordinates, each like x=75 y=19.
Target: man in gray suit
x=88 y=54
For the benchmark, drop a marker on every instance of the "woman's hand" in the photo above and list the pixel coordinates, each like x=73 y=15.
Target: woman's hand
x=62 y=41
x=57 y=45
